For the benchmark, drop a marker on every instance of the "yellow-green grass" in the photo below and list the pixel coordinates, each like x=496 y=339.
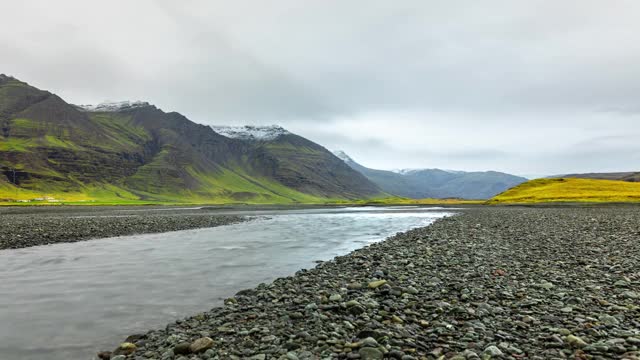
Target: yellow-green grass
x=428 y=201
x=570 y=190
x=219 y=192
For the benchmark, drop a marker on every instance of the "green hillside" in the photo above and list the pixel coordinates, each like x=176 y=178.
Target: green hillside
x=52 y=149
x=570 y=190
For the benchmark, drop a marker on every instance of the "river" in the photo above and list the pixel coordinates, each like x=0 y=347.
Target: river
x=70 y=300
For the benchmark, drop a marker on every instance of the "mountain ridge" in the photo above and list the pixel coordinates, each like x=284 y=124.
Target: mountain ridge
x=136 y=151
x=437 y=183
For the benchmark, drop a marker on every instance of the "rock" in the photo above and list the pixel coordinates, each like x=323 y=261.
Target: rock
x=104 y=355
x=493 y=351
x=368 y=353
x=369 y=342
x=575 y=341
x=376 y=284
x=268 y=338
x=356 y=310
x=469 y=354
x=528 y=319
x=258 y=357
x=411 y=290
x=547 y=285
x=352 y=303
x=335 y=297
x=620 y=283
x=119 y=357
x=633 y=340
x=183 y=348
x=201 y=345
x=134 y=338
x=126 y=348
x=608 y=319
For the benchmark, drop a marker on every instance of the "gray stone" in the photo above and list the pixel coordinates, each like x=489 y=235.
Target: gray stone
x=493 y=351
x=369 y=342
x=608 y=319
x=201 y=345
x=370 y=354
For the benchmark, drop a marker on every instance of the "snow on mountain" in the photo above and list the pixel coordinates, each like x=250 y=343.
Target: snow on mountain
x=114 y=106
x=342 y=156
x=403 y=171
x=250 y=132
x=411 y=171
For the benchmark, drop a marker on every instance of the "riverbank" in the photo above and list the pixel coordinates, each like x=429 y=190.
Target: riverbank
x=493 y=282
x=24 y=227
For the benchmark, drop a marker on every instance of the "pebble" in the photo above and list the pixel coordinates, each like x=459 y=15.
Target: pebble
x=370 y=354
x=493 y=351
x=575 y=341
x=201 y=345
x=376 y=284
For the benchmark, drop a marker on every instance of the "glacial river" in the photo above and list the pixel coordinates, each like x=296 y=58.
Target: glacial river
x=68 y=301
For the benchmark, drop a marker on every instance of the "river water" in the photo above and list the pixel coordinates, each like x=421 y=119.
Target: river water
x=67 y=301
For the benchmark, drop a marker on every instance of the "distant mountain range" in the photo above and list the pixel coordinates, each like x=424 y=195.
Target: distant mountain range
x=131 y=151
x=436 y=183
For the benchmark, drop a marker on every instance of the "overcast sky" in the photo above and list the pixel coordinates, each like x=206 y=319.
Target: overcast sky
x=527 y=87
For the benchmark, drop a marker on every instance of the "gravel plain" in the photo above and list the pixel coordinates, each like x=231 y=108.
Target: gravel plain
x=490 y=283
x=22 y=227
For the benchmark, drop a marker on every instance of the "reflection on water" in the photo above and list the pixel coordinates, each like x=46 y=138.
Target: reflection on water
x=66 y=301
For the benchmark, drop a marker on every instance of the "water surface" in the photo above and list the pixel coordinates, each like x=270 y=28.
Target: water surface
x=67 y=301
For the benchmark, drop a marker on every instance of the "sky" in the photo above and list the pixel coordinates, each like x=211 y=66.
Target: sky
x=527 y=87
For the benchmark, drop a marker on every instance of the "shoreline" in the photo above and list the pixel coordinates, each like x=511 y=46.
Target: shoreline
x=28 y=226
x=23 y=228
x=488 y=283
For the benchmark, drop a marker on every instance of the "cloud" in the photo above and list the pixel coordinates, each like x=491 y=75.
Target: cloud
x=492 y=85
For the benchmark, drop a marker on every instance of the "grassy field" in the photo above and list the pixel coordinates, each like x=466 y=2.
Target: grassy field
x=272 y=194
x=570 y=190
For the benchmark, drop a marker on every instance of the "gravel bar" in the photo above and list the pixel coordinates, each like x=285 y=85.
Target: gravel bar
x=25 y=227
x=512 y=283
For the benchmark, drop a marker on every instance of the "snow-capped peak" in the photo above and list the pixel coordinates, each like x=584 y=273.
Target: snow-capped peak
x=250 y=132
x=404 y=171
x=411 y=171
x=342 y=156
x=114 y=106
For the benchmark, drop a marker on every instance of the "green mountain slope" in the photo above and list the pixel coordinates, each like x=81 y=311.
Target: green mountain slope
x=436 y=183
x=299 y=163
x=135 y=151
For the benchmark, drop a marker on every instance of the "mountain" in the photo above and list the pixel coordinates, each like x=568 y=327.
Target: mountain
x=131 y=151
x=633 y=176
x=301 y=163
x=436 y=183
